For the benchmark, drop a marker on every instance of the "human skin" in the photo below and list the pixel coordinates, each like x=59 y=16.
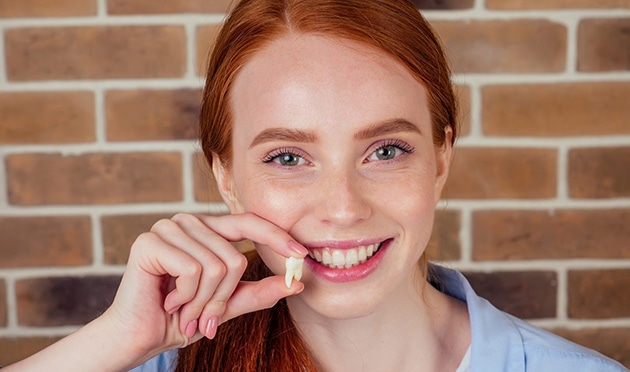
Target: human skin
x=310 y=115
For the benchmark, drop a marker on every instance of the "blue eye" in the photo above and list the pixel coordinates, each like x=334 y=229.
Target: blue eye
x=390 y=150
x=284 y=158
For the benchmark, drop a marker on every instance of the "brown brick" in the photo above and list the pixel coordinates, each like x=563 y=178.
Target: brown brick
x=47 y=117
x=206 y=190
x=464 y=96
x=15 y=349
x=604 y=44
x=599 y=172
x=500 y=173
x=556 y=4
x=445 y=244
x=612 y=342
x=59 y=301
x=560 y=109
x=120 y=231
x=45 y=241
x=165 y=7
x=443 y=4
x=109 y=178
x=561 y=234
x=525 y=294
x=100 y=52
x=133 y=115
x=46 y=8
x=3 y=304
x=524 y=46
x=599 y=294
x=204 y=39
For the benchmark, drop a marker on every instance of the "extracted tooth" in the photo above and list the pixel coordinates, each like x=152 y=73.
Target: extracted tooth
x=294 y=270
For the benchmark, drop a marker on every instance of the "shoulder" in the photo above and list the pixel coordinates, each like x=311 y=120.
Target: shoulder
x=164 y=362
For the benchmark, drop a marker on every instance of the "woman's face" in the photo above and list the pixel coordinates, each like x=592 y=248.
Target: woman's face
x=332 y=142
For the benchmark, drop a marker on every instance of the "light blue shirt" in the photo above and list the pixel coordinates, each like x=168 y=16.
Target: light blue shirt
x=500 y=342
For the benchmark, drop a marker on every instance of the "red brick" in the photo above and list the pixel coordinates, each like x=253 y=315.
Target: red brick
x=560 y=109
x=206 y=190
x=445 y=244
x=60 y=301
x=133 y=115
x=599 y=172
x=47 y=117
x=120 y=231
x=556 y=4
x=46 y=8
x=523 y=46
x=41 y=241
x=3 y=304
x=15 y=349
x=165 y=7
x=612 y=342
x=205 y=38
x=525 y=294
x=98 y=52
x=599 y=294
x=560 y=234
x=464 y=96
x=108 y=178
x=443 y=4
x=502 y=173
x=604 y=44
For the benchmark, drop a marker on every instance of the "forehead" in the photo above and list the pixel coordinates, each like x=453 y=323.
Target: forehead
x=311 y=81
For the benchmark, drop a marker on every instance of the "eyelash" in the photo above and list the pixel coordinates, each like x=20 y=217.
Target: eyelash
x=403 y=146
x=279 y=152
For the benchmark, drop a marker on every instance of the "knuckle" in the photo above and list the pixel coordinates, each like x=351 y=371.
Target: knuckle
x=183 y=218
x=217 y=272
x=162 y=225
x=237 y=262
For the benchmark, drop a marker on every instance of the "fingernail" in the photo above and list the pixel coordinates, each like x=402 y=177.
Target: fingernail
x=191 y=329
x=298 y=248
x=211 y=327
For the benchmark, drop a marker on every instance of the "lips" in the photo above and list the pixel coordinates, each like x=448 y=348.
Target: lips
x=344 y=258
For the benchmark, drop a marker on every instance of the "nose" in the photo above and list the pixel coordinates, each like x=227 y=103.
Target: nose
x=342 y=201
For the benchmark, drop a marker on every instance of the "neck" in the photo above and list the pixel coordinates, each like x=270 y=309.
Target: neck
x=415 y=329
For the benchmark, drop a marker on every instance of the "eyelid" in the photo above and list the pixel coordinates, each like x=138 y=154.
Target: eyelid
x=402 y=145
x=268 y=158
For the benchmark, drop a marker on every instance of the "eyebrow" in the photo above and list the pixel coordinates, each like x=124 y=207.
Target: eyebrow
x=297 y=135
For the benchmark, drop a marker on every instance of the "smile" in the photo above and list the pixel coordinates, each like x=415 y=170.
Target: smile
x=344 y=258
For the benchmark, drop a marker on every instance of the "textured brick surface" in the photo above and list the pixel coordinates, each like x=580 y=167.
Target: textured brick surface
x=205 y=184
x=555 y=4
x=525 y=294
x=561 y=109
x=613 y=342
x=133 y=115
x=525 y=46
x=47 y=117
x=46 y=8
x=443 y=4
x=463 y=98
x=599 y=172
x=3 y=304
x=560 y=234
x=95 y=52
x=107 y=178
x=164 y=7
x=604 y=44
x=120 y=231
x=45 y=241
x=205 y=37
x=59 y=301
x=18 y=348
x=445 y=244
x=481 y=173
x=599 y=294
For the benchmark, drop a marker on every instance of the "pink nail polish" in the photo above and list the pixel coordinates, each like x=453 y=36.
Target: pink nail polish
x=191 y=328
x=298 y=248
x=211 y=327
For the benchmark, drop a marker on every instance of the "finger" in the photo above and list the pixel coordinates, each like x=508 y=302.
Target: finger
x=238 y=227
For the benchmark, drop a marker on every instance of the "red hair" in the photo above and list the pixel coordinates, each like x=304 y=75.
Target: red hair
x=267 y=340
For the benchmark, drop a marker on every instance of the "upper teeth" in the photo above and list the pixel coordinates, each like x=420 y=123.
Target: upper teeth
x=344 y=258
x=294 y=270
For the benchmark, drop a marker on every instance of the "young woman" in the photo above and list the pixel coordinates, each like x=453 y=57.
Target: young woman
x=329 y=126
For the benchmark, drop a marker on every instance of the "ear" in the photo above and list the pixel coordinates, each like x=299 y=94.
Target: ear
x=443 y=156
x=225 y=185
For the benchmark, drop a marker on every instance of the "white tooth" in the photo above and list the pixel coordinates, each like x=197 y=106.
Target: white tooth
x=318 y=256
x=327 y=258
x=338 y=259
x=370 y=250
x=294 y=270
x=362 y=254
x=351 y=258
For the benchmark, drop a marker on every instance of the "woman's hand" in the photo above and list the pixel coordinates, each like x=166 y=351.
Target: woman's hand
x=183 y=280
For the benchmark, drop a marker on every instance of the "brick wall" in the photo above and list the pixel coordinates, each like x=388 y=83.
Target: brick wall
x=98 y=104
